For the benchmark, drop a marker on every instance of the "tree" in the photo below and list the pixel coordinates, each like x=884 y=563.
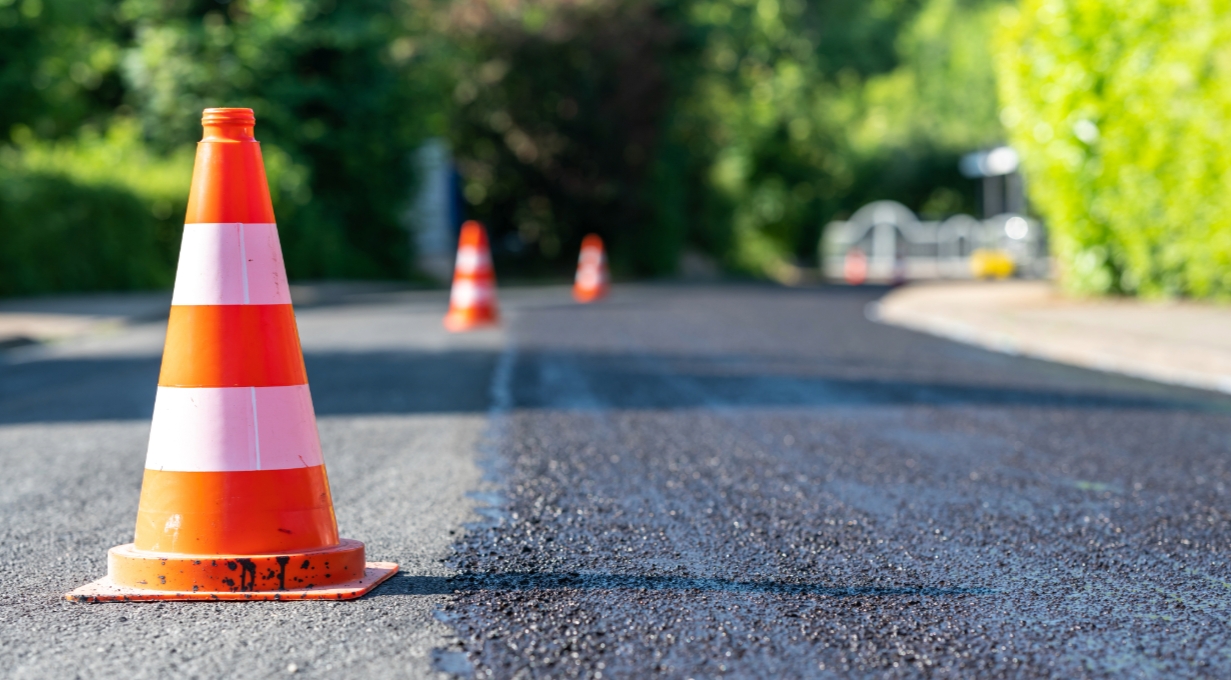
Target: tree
x=342 y=91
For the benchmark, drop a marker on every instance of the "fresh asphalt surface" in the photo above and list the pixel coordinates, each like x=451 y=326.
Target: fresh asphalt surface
x=722 y=481
x=401 y=409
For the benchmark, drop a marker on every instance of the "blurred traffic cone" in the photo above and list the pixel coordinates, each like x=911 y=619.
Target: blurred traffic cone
x=472 y=303
x=592 y=278
x=235 y=503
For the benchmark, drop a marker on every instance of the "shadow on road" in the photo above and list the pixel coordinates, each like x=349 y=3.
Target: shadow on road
x=666 y=382
x=406 y=382
x=440 y=585
x=123 y=388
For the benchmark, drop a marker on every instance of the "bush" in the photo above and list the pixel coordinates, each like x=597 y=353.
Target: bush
x=343 y=93
x=346 y=89
x=103 y=212
x=95 y=213
x=62 y=236
x=1123 y=113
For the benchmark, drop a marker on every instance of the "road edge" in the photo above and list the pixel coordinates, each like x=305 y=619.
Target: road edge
x=1041 y=347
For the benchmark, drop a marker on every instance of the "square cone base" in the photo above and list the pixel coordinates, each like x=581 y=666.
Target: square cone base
x=462 y=320
x=105 y=590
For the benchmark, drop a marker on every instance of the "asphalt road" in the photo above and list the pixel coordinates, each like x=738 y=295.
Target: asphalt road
x=682 y=482
x=402 y=409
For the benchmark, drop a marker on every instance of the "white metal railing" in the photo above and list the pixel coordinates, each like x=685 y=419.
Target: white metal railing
x=897 y=245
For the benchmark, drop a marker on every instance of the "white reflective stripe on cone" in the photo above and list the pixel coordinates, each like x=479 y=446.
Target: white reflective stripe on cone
x=469 y=293
x=472 y=261
x=589 y=278
x=230 y=264
x=229 y=429
x=591 y=256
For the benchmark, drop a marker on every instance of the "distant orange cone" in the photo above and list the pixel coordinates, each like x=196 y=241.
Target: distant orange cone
x=592 y=278
x=235 y=503
x=472 y=303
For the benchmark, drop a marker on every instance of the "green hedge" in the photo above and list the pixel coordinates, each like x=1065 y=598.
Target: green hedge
x=95 y=213
x=343 y=92
x=102 y=211
x=1123 y=113
x=59 y=235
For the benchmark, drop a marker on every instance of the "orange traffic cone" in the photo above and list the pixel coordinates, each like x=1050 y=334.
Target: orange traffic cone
x=472 y=303
x=592 y=278
x=235 y=503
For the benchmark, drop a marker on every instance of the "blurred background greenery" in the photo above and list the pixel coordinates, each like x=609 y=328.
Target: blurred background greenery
x=1123 y=113
x=725 y=130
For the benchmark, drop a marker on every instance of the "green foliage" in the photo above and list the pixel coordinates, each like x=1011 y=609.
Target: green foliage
x=94 y=213
x=336 y=86
x=58 y=64
x=1123 y=112
x=343 y=93
x=943 y=93
x=759 y=107
x=557 y=128
x=736 y=127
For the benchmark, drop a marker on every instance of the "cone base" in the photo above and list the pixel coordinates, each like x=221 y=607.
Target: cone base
x=106 y=590
x=586 y=297
x=460 y=322
x=339 y=571
x=307 y=569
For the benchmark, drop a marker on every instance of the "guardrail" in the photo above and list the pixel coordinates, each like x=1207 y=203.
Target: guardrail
x=887 y=242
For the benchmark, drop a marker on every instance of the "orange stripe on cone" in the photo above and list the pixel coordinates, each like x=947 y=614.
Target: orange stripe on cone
x=235 y=502
x=232 y=346
x=235 y=513
x=472 y=302
x=592 y=278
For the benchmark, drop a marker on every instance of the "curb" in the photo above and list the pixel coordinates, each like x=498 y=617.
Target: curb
x=1122 y=357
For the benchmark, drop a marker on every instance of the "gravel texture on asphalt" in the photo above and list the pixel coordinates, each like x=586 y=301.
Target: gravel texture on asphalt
x=402 y=408
x=722 y=481
x=753 y=482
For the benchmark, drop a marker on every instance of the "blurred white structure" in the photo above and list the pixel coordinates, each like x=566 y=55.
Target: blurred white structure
x=432 y=214
x=900 y=246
